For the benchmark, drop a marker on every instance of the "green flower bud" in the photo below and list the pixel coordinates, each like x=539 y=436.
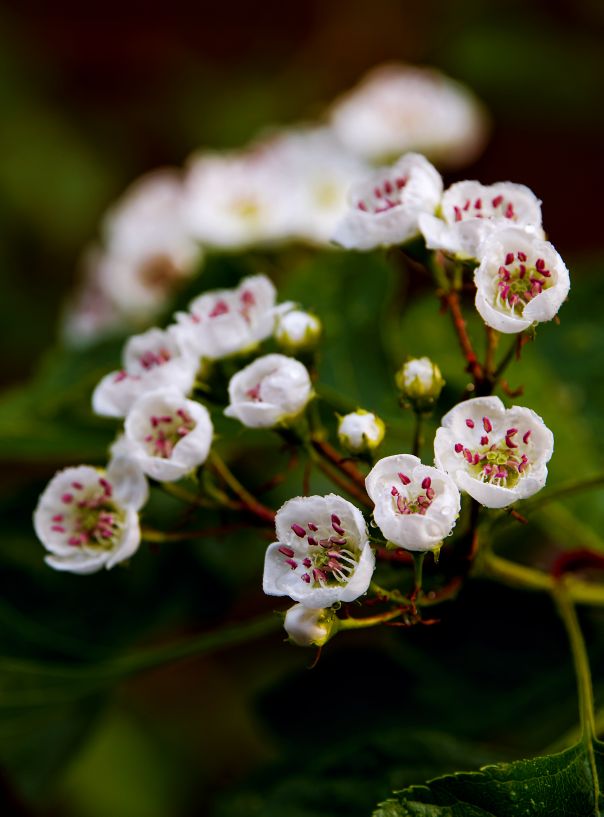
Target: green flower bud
x=298 y=331
x=360 y=431
x=307 y=626
x=420 y=382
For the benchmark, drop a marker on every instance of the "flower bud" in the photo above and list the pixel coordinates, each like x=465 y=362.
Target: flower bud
x=420 y=383
x=298 y=331
x=308 y=626
x=360 y=431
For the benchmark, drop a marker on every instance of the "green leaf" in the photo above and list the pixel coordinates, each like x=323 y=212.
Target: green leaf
x=554 y=785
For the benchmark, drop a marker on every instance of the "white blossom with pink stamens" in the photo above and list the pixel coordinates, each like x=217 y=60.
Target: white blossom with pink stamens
x=322 y=554
x=496 y=455
x=168 y=434
x=87 y=519
x=520 y=281
x=416 y=505
x=230 y=321
x=271 y=391
x=397 y=107
x=385 y=208
x=152 y=360
x=470 y=212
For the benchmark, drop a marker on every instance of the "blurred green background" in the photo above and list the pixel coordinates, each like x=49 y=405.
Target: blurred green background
x=93 y=95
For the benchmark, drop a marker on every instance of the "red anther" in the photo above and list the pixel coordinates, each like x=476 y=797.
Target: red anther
x=335 y=520
x=478 y=204
x=286 y=551
x=540 y=264
x=312 y=541
x=525 y=438
x=511 y=431
x=394 y=491
x=468 y=455
x=307 y=562
x=458 y=448
x=377 y=192
x=426 y=483
x=298 y=530
x=476 y=459
x=497 y=201
x=120 y=376
x=388 y=187
x=430 y=493
x=305 y=578
x=509 y=211
x=292 y=563
x=248 y=298
x=58 y=528
x=487 y=425
x=484 y=440
x=67 y=498
x=521 y=256
x=404 y=478
x=504 y=273
x=546 y=273
x=521 y=271
x=470 y=423
x=335 y=540
x=154 y=422
x=58 y=517
x=312 y=526
x=401 y=182
x=509 y=259
x=338 y=529
x=362 y=206
x=510 y=443
x=458 y=215
x=221 y=308
x=77 y=485
x=466 y=206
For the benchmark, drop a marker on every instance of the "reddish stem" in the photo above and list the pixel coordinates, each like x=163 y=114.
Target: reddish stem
x=346 y=466
x=459 y=324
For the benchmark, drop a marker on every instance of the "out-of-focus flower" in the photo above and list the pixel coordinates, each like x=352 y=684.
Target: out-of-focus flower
x=228 y=321
x=496 y=455
x=420 y=383
x=88 y=521
x=271 y=391
x=297 y=331
x=169 y=435
x=470 y=212
x=307 y=627
x=146 y=253
x=124 y=470
x=237 y=200
x=360 y=431
x=416 y=505
x=322 y=554
x=152 y=360
x=385 y=208
x=397 y=107
x=520 y=281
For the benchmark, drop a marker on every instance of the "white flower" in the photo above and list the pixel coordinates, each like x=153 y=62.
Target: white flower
x=124 y=470
x=169 y=435
x=385 y=208
x=297 y=331
x=237 y=200
x=272 y=390
x=317 y=171
x=307 y=626
x=360 y=431
x=88 y=519
x=496 y=455
x=228 y=321
x=397 y=107
x=147 y=250
x=151 y=361
x=520 y=281
x=420 y=381
x=322 y=554
x=416 y=506
x=470 y=212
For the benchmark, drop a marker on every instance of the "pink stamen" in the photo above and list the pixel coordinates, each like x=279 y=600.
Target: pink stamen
x=509 y=259
x=292 y=563
x=458 y=448
x=484 y=440
x=525 y=438
x=497 y=201
x=286 y=551
x=67 y=498
x=404 y=478
x=470 y=423
x=426 y=483
x=298 y=530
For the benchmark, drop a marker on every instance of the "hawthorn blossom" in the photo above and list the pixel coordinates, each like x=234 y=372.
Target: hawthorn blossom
x=520 y=281
x=237 y=200
x=496 y=455
x=168 y=434
x=87 y=519
x=420 y=382
x=385 y=208
x=272 y=390
x=152 y=360
x=297 y=331
x=322 y=554
x=308 y=627
x=229 y=321
x=470 y=212
x=397 y=107
x=317 y=170
x=416 y=505
x=360 y=431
